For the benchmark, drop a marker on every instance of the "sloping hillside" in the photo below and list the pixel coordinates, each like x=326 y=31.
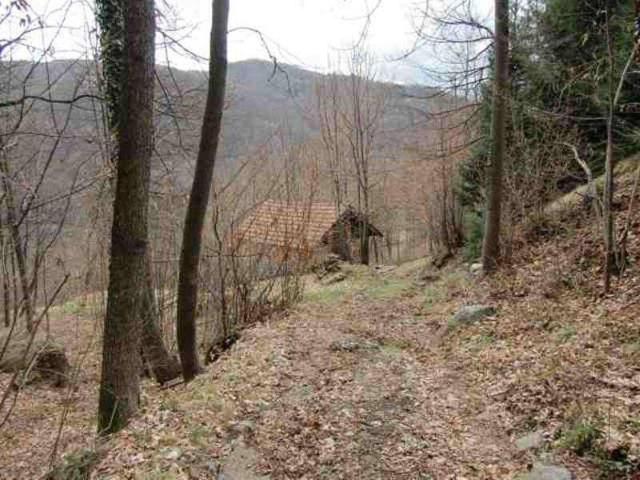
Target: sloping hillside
x=261 y=100
x=376 y=377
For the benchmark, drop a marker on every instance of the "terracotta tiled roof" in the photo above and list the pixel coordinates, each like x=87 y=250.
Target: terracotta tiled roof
x=293 y=225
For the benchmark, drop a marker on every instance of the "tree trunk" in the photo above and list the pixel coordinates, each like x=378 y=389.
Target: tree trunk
x=636 y=33
x=364 y=224
x=164 y=366
x=491 y=243
x=609 y=245
x=119 y=385
x=6 y=294
x=200 y=191
x=112 y=38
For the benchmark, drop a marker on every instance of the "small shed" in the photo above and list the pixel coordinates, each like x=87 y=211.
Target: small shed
x=306 y=230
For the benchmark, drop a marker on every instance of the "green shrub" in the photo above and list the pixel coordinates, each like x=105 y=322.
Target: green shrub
x=581 y=438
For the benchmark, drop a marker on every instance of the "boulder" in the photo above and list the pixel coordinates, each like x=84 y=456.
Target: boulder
x=471 y=314
x=476 y=268
x=530 y=441
x=548 y=472
x=45 y=359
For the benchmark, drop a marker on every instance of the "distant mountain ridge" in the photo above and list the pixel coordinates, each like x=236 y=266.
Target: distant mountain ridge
x=263 y=103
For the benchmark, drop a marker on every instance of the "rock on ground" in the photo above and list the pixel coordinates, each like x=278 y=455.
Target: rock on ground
x=471 y=314
x=49 y=360
x=476 y=268
x=548 y=472
x=240 y=465
x=530 y=441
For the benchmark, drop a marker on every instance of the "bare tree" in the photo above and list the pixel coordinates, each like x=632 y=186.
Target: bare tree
x=491 y=242
x=612 y=259
x=362 y=122
x=200 y=192
x=119 y=386
x=328 y=99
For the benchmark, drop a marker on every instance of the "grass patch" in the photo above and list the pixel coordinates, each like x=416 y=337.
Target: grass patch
x=632 y=425
x=170 y=404
x=455 y=281
x=388 y=288
x=159 y=474
x=452 y=324
x=199 y=435
x=477 y=343
x=451 y=285
x=329 y=295
x=433 y=294
x=73 y=307
x=394 y=347
x=632 y=349
x=565 y=333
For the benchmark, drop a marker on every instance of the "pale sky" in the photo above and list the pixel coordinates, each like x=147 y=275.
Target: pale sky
x=309 y=33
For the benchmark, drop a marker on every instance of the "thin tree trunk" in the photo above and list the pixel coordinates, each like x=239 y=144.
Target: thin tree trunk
x=609 y=245
x=6 y=296
x=364 y=230
x=18 y=244
x=164 y=366
x=200 y=191
x=611 y=259
x=119 y=386
x=491 y=243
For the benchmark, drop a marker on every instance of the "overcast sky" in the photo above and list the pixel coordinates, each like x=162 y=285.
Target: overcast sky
x=309 y=33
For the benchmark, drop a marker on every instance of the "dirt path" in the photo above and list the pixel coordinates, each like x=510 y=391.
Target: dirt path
x=357 y=382
x=357 y=392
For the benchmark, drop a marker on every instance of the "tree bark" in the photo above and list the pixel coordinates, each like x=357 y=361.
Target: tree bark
x=200 y=192
x=110 y=15
x=119 y=385
x=164 y=366
x=491 y=242
x=6 y=296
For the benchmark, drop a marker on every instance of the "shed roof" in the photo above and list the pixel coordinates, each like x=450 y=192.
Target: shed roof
x=296 y=225
x=290 y=225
